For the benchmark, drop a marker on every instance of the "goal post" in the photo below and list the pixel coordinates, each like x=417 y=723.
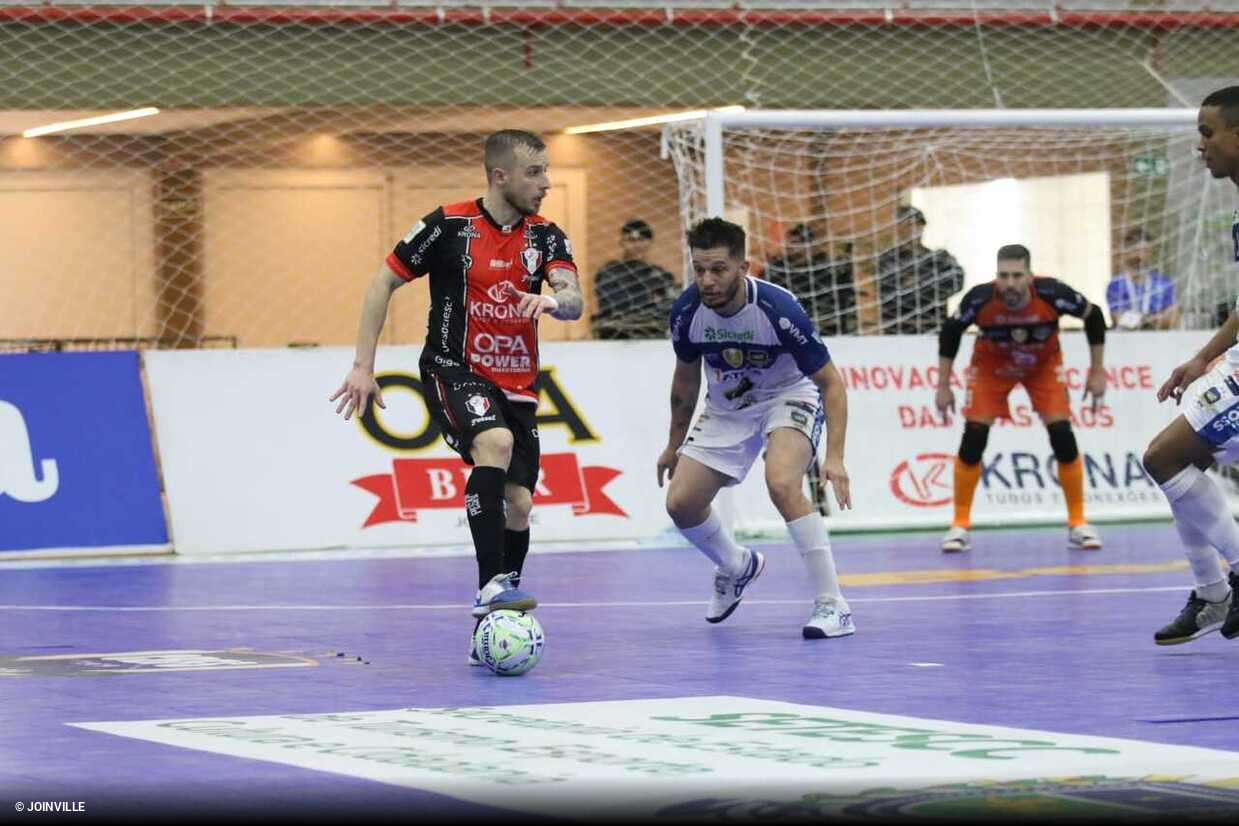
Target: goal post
x=826 y=198
x=823 y=119
x=1083 y=188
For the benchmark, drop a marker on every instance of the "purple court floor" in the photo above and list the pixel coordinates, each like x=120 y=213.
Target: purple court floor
x=1019 y=633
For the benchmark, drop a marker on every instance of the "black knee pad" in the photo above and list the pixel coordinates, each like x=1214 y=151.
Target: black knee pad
x=1063 y=440
x=972 y=446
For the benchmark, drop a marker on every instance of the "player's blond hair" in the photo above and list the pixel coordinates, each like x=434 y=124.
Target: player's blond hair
x=499 y=151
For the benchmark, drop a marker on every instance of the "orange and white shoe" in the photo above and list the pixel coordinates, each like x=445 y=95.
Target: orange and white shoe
x=957 y=539
x=1083 y=536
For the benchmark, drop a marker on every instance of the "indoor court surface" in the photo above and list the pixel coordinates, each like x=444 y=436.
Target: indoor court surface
x=1017 y=679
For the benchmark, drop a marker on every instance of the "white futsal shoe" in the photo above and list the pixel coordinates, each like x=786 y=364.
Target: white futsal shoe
x=501 y=594
x=729 y=588
x=831 y=618
x=957 y=539
x=1084 y=536
x=474 y=658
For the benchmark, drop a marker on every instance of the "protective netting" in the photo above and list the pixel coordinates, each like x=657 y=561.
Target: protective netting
x=876 y=229
x=296 y=143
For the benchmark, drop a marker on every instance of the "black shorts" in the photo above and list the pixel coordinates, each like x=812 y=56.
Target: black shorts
x=463 y=405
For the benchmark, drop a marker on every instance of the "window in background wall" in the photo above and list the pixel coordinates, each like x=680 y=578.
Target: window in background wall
x=1063 y=220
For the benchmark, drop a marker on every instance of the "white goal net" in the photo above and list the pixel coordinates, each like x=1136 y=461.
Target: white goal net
x=877 y=219
x=288 y=144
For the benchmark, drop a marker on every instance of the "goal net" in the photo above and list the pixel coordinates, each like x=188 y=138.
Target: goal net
x=294 y=142
x=877 y=220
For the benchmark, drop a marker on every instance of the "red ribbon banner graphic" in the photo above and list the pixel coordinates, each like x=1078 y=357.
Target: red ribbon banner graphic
x=439 y=483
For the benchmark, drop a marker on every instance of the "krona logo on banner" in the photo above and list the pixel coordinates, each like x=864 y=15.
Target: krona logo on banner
x=924 y=481
x=439 y=483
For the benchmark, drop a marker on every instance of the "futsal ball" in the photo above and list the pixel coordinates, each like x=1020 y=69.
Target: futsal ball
x=509 y=642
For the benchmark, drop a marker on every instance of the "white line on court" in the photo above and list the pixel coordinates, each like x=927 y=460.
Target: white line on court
x=665 y=603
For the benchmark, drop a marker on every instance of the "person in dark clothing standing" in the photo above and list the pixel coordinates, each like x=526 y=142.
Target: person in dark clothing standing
x=824 y=287
x=633 y=295
x=914 y=281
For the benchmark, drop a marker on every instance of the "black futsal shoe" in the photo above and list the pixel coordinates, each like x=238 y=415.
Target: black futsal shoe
x=1197 y=618
x=1230 y=628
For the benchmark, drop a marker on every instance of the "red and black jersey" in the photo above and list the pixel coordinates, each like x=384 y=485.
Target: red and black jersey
x=1031 y=331
x=472 y=325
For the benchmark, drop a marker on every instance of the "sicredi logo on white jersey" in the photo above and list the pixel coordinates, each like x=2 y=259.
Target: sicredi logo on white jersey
x=17 y=470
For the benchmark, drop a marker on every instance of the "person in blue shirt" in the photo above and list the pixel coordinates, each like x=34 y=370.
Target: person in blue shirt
x=1140 y=297
x=770 y=386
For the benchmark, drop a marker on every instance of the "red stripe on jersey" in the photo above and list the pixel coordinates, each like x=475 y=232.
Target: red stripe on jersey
x=443 y=403
x=397 y=266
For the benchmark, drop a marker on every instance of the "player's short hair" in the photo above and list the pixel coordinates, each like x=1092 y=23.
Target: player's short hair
x=500 y=149
x=716 y=232
x=637 y=230
x=799 y=234
x=907 y=212
x=1227 y=102
x=1015 y=252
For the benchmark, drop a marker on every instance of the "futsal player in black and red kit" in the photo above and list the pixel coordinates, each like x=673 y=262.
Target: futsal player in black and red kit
x=487 y=261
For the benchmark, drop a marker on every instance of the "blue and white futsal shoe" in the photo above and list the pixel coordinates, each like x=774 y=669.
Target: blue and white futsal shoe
x=831 y=618
x=500 y=594
x=729 y=588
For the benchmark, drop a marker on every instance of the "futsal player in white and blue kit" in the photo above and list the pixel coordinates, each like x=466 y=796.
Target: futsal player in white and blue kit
x=770 y=385
x=1208 y=429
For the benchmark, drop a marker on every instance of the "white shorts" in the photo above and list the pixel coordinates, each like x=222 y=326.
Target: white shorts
x=1211 y=407
x=730 y=442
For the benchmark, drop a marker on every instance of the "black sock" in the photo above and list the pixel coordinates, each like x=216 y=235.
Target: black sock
x=484 y=509
x=515 y=546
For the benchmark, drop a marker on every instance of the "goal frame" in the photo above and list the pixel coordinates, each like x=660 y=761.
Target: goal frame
x=714 y=123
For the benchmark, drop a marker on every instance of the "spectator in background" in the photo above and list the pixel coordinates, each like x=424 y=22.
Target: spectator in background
x=914 y=281
x=1140 y=297
x=824 y=287
x=634 y=296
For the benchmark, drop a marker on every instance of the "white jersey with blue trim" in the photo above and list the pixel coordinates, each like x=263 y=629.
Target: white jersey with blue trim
x=757 y=354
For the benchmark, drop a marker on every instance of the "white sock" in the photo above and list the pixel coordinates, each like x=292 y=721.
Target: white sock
x=1206 y=565
x=1196 y=500
x=713 y=540
x=813 y=541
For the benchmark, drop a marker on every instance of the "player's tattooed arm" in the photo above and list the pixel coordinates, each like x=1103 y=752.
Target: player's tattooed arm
x=567 y=294
x=681 y=411
x=685 y=387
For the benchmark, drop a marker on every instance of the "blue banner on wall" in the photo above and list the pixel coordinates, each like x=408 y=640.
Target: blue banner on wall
x=77 y=469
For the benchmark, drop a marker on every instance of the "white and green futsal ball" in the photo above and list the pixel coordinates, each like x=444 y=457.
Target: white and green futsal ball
x=509 y=642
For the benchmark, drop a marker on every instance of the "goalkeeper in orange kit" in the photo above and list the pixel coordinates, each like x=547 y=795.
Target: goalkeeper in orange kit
x=1017 y=314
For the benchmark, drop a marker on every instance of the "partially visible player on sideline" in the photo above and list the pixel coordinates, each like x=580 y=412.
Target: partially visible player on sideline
x=766 y=376
x=1017 y=314
x=487 y=260
x=1208 y=429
